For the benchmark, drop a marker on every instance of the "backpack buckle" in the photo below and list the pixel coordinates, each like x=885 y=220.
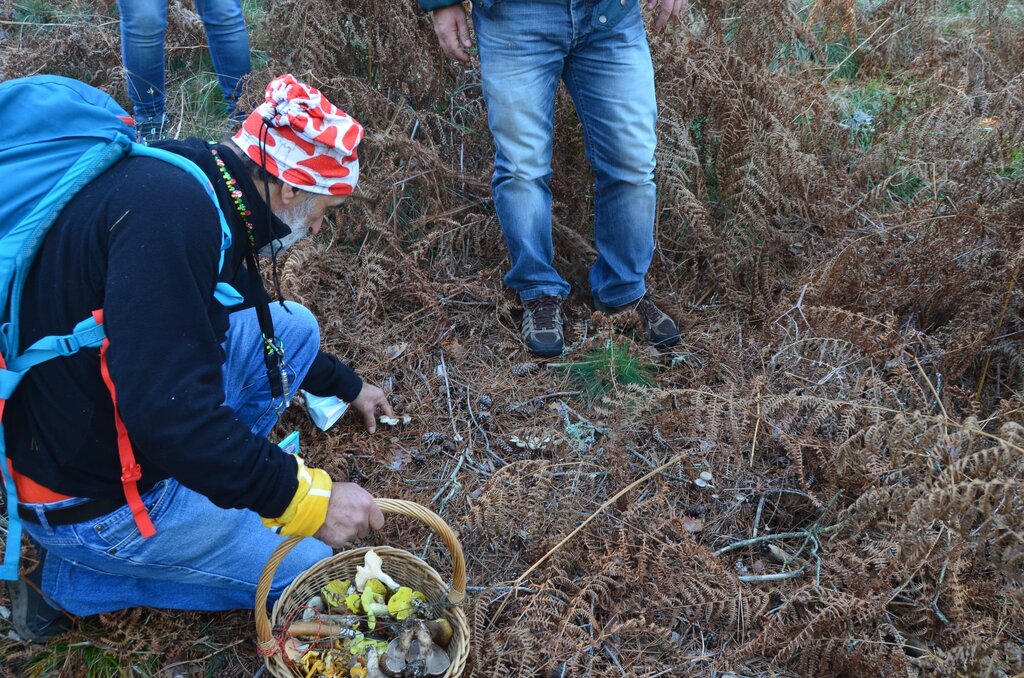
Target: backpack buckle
x=68 y=345
x=131 y=474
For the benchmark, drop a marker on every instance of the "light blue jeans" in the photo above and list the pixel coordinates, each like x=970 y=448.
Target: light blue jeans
x=143 y=23
x=526 y=48
x=202 y=557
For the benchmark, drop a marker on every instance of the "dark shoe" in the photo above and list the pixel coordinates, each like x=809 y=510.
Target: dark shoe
x=32 y=616
x=542 y=326
x=149 y=130
x=662 y=331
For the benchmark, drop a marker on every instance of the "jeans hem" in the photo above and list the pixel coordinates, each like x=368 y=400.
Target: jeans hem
x=543 y=292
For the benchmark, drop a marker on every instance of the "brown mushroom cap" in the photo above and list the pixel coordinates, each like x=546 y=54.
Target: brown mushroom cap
x=440 y=631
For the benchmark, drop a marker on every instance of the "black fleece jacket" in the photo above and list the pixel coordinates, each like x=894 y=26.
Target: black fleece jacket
x=142 y=243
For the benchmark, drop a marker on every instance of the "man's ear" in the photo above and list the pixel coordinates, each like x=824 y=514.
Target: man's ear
x=289 y=194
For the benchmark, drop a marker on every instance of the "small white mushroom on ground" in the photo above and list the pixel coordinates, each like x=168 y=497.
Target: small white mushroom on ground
x=395 y=421
x=371 y=569
x=705 y=479
x=534 y=442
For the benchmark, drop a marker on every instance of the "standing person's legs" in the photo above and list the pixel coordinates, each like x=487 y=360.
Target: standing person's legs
x=522 y=46
x=202 y=557
x=611 y=79
x=229 y=46
x=143 y=23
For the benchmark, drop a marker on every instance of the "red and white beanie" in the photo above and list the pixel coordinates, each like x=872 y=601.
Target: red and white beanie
x=310 y=144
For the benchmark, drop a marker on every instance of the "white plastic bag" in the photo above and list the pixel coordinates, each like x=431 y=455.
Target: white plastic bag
x=324 y=410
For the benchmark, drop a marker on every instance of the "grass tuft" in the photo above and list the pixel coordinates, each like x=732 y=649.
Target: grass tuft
x=609 y=368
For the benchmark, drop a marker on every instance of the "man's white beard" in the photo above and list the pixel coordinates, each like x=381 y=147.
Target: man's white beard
x=297 y=219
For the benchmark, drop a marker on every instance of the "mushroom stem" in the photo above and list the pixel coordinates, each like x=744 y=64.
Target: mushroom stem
x=373 y=664
x=394 y=661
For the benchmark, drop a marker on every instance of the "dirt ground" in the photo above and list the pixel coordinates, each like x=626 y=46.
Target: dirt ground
x=825 y=476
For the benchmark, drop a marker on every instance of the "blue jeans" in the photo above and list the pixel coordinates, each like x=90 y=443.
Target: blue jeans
x=143 y=23
x=202 y=557
x=526 y=48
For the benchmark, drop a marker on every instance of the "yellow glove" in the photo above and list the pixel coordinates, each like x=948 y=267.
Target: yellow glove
x=308 y=508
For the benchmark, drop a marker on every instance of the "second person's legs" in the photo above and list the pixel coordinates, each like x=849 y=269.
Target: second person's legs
x=522 y=46
x=229 y=46
x=611 y=79
x=143 y=24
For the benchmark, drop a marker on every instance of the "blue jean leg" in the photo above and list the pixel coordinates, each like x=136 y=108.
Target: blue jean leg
x=611 y=79
x=522 y=46
x=246 y=387
x=202 y=557
x=229 y=45
x=143 y=28
x=143 y=24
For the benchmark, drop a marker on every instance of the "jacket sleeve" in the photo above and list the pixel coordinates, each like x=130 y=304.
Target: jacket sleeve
x=328 y=376
x=164 y=356
x=430 y=5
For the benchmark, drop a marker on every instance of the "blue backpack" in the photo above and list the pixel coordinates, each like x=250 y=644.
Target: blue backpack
x=57 y=135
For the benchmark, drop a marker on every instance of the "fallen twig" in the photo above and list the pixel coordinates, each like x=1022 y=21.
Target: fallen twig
x=806 y=534
x=753 y=578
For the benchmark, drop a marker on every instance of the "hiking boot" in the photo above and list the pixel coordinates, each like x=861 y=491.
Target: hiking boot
x=662 y=331
x=32 y=616
x=149 y=130
x=542 y=326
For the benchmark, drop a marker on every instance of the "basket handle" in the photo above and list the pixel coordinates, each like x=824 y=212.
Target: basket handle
x=457 y=593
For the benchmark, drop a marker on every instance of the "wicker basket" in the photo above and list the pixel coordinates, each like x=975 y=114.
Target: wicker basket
x=401 y=565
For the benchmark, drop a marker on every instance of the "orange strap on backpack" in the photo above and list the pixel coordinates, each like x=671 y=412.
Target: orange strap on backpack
x=131 y=472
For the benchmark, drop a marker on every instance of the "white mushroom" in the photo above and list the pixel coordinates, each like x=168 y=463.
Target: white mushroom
x=371 y=569
x=373 y=663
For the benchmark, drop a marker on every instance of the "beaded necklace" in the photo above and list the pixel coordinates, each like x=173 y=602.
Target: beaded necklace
x=272 y=346
x=236 y=196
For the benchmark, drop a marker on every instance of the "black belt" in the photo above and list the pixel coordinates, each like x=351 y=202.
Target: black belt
x=79 y=513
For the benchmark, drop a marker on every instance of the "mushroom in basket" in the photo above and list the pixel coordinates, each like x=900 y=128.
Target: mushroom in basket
x=414 y=653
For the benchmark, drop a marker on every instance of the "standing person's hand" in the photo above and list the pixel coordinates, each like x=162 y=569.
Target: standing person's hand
x=368 y=402
x=667 y=10
x=453 y=31
x=351 y=514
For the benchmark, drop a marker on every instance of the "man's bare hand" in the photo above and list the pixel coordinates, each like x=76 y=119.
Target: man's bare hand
x=667 y=11
x=369 y=401
x=452 y=31
x=351 y=514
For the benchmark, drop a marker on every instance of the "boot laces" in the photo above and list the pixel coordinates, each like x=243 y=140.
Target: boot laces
x=648 y=311
x=545 y=312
